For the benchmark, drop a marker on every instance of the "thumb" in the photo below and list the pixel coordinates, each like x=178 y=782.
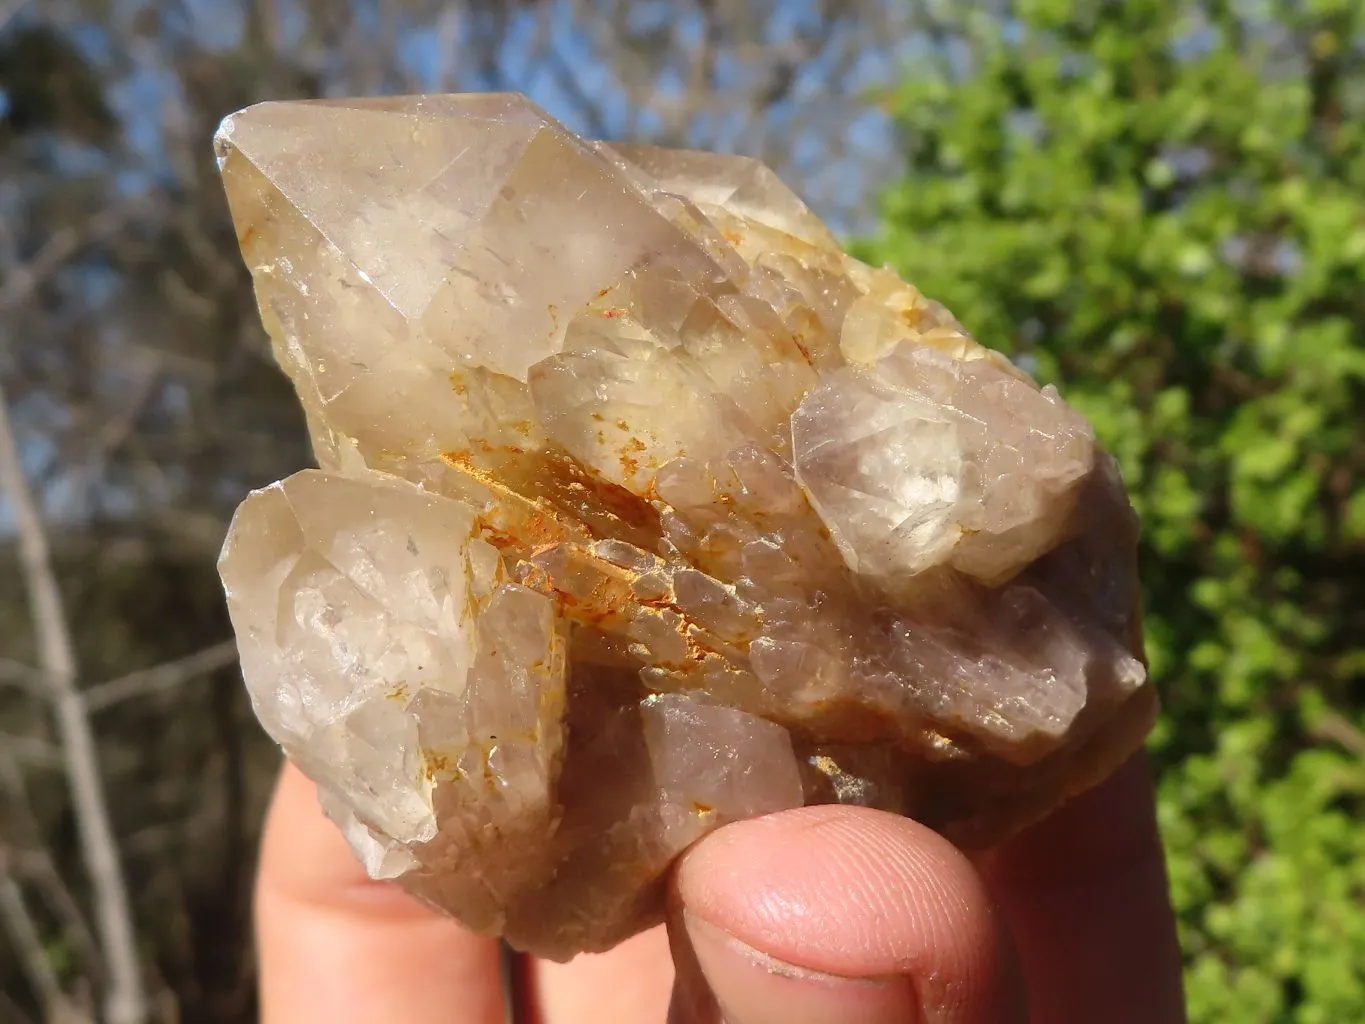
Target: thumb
x=837 y=914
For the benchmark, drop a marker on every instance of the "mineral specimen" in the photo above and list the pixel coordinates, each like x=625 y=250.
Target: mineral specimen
x=643 y=508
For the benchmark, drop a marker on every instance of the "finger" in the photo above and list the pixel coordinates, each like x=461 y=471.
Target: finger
x=840 y=914
x=336 y=947
x=629 y=984
x=1086 y=897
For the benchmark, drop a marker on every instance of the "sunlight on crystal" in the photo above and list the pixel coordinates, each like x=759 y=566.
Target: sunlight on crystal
x=643 y=508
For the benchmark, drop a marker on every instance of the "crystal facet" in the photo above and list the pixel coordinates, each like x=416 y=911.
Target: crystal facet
x=643 y=508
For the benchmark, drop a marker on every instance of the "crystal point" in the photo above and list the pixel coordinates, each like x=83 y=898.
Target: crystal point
x=644 y=508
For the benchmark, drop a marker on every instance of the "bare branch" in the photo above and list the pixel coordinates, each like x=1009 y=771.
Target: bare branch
x=449 y=28
x=25 y=937
x=55 y=649
x=35 y=864
x=125 y=999
x=32 y=749
x=568 y=77
x=23 y=280
x=9 y=10
x=23 y=676
x=117 y=428
x=264 y=25
x=162 y=677
x=195 y=530
x=1333 y=726
x=27 y=940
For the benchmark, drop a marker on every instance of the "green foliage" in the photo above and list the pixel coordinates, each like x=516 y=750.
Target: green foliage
x=1161 y=205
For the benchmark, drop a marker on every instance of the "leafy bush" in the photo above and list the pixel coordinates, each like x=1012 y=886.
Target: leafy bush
x=1160 y=204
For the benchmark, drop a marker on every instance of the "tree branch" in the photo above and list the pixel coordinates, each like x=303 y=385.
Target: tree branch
x=35 y=865
x=162 y=677
x=27 y=940
x=1333 y=726
x=22 y=676
x=23 y=279
x=32 y=749
x=125 y=998
x=117 y=428
x=9 y=10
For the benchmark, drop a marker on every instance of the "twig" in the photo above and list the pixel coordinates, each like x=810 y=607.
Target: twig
x=162 y=677
x=196 y=530
x=117 y=428
x=28 y=942
x=125 y=998
x=23 y=279
x=9 y=10
x=31 y=749
x=449 y=29
x=23 y=676
x=1332 y=726
x=567 y=77
x=35 y=864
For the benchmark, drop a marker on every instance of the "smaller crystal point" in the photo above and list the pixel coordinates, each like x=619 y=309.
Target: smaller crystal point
x=644 y=508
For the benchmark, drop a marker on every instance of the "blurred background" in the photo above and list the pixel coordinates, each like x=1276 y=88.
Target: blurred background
x=1159 y=204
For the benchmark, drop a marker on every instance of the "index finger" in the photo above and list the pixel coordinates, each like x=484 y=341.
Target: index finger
x=1086 y=897
x=334 y=945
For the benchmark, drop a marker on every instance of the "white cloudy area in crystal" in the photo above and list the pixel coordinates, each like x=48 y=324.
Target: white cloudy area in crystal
x=643 y=508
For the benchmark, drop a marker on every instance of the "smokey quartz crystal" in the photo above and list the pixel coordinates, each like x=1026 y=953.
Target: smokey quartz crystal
x=643 y=508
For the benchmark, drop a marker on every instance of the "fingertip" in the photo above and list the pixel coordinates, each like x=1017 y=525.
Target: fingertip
x=845 y=894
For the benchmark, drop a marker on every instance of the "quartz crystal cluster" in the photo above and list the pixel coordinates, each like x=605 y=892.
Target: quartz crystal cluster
x=643 y=508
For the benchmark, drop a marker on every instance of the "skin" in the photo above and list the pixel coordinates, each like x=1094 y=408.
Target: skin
x=809 y=916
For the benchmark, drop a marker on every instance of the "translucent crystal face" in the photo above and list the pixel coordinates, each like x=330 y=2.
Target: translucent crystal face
x=643 y=508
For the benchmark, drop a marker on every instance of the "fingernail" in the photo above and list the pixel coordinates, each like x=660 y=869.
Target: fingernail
x=752 y=987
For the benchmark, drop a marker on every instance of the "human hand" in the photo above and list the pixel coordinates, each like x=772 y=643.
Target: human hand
x=822 y=914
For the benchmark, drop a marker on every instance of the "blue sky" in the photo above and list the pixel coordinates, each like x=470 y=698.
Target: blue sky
x=834 y=144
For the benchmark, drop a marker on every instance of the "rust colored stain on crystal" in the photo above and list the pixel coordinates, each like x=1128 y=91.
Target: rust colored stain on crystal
x=580 y=580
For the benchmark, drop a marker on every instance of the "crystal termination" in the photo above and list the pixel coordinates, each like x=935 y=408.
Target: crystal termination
x=643 y=508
